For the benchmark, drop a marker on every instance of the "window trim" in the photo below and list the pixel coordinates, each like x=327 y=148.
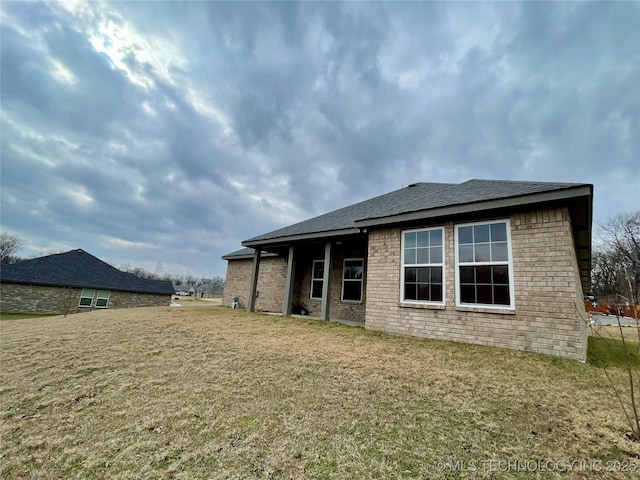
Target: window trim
x=442 y=265
x=509 y=264
x=352 y=280
x=321 y=280
x=82 y=296
x=97 y=297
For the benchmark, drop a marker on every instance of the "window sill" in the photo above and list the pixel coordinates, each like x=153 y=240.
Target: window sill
x=426 y=306
x=479 y=309
x=352 y=302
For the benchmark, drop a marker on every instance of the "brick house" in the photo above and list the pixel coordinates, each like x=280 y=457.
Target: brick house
x=499 y=263
x=73 y=282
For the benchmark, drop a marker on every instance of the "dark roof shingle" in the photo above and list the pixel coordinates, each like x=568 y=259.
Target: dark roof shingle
x=414 y=198
x=471 y=191
x=80 y=269
x=344 y=218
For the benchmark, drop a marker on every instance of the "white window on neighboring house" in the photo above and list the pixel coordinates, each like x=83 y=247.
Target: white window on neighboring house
x=86 y=297
x=90 y=297
x=102 y=299
x=317 y=275
x=483 y=265
x=352 y=276
x=422 y=275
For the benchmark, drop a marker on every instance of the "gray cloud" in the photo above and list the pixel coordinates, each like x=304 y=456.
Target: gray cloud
x=172 y=131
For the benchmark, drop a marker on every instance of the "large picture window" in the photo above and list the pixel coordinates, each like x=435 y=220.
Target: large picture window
x=352 y=275
x=484 y=264
x=422 y=265
x=317 y=274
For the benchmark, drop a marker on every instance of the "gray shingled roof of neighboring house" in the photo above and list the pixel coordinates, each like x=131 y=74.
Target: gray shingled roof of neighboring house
x=419 y=197
x=80 y=269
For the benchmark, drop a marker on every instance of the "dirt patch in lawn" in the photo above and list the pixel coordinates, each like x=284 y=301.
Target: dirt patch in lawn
x=220 y=393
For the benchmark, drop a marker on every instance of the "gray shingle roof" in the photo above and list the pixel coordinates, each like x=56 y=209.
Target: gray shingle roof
x=471 y=191
x=414 y=198
x=80 y=269
x=344 y=218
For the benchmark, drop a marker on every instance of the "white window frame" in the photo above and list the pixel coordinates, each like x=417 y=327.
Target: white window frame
x=93 y=294
x=508 y=263
x=441 y=265
x=321 y=280
x=98 y=292
x=352 y=280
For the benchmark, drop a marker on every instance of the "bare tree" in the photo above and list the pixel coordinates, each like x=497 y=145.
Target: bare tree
x=616 y=271
x=616 y=263
x=68 y=300
x=9 y=245
x=158 y=270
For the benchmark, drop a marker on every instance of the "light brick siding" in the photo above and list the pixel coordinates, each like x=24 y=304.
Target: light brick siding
x=130 y=300
x=549 y=311
x=42 y=299
x=272 y=278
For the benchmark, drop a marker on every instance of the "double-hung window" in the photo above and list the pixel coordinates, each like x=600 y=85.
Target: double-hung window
x=86 y=297
x=422 y=273
x=483 y=256
x=352 y=275
x=102 y=299
x=317 y=275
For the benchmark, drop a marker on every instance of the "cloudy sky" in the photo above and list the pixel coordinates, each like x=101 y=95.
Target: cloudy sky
x=171 y=131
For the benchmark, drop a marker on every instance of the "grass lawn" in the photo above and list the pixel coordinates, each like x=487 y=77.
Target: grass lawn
x=220 y=393
x=21 y=316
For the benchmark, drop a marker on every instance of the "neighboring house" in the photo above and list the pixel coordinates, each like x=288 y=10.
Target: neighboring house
x=184 y=289
x=75 y=281
x=498 y=263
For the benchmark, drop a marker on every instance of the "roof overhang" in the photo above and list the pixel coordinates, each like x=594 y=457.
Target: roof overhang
x=85 y=286
x=475 y=207
x=247 y=256
x=300 y=238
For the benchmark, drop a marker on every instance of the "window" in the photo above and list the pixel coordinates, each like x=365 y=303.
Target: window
x=483 y=255
x=102 y=299
x=352 y=275
x=317 y=274
x=422 y=273
x=86 y=297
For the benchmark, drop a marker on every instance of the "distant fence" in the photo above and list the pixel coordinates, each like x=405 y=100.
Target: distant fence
x=611 y=309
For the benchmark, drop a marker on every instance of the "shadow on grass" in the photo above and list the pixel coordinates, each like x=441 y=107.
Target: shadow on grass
x=611 y=352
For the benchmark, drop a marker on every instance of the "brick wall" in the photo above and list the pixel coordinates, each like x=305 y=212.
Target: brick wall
x=41 y=299
x=338 y=309
x=272 y=278
x=549 y=312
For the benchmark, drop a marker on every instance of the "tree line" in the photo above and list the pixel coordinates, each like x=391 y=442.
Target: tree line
x=615 y=259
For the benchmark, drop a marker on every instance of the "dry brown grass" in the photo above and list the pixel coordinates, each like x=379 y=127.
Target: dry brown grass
x=219 y=393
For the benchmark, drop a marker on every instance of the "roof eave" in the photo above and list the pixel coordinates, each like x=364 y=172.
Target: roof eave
x=301 y=237
x=248 y=256
x=582 y=190
x=88 y=286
